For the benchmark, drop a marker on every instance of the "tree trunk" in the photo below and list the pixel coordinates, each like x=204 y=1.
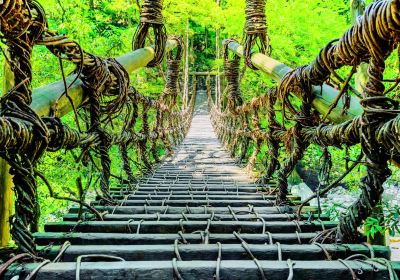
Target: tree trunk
x=309 y=176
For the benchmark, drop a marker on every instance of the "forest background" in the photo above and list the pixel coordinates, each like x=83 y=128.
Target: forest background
x=298 y=29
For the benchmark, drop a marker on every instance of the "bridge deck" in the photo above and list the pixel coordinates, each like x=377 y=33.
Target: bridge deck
x=199 y=216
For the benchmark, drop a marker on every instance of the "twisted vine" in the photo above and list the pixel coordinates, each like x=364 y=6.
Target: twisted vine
x=255 y=30
x=151 y=18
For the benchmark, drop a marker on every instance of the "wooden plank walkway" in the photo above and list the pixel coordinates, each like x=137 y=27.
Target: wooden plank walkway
x=199 y=216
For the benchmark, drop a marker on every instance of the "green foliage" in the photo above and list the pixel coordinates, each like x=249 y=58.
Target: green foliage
x=334 y=211
x=375 y=225
x=387 y=222
x=298 y=30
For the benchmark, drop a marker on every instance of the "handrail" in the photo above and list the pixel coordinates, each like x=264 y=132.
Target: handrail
x=205 y=73
x=45 y=98
x=323 y=98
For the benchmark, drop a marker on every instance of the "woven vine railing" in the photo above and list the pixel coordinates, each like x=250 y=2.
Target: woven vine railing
x=109 y=115
x=291 y=128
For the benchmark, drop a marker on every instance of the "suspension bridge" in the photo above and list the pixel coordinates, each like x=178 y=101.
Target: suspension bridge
x=194 y=213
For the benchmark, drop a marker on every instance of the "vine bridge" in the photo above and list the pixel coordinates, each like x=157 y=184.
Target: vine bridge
x=194 y=212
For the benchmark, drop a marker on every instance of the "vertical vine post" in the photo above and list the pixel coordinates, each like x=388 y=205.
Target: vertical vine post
x=361 y=78
x=186 y=80
x=6 y=184
x=217 y=56
x=194 y=82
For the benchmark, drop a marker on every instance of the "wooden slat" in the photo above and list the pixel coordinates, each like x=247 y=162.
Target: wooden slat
x=196 y=217
x=233 y=270
x=195 y=252
x=185 y=197
x=187 y=226
x=190 y=203
x=199 y=187
x=195 y=210
x=77 y=238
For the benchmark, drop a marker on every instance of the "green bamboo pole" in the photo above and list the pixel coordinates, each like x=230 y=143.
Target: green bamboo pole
x=45 y=98
x=323 y=98
x=6 y=184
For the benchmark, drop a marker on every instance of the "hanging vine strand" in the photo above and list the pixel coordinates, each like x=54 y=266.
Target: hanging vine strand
x=151 y=18
x=255 y=30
